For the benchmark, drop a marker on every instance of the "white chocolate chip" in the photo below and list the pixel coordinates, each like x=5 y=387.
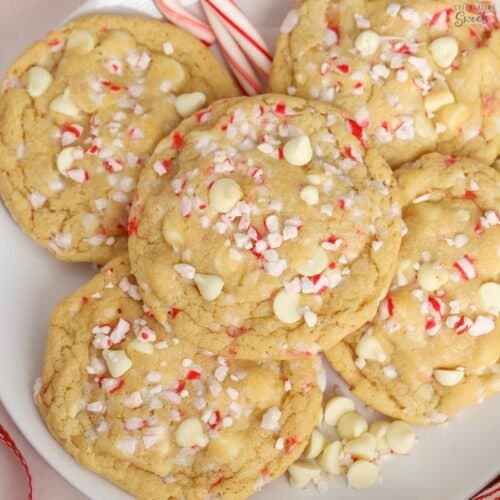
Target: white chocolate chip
x=369 y=347
x=351 y=425
x=286 y=305
x=117 y=361
x=437 y=98
x=444 y=50
x=489 y=296
x=363 y=446
x=432 y=277
x=367 y=43
x=335 y=408
x=329 y=460
x=300 y=474
x=298 y=151
x=187 y=104
x=315 y=445
x=362 y=474
x=64 y=105
x=209 y=285
x=449 y=378
x=39 y=80
x=81 y=41
x=171 y=234
x=140 y=346
x=378 y=430
x=315 y=264
x=310 y=195
x=171 y=71
x=66 y=157
x=190 y=433
x=400 y=437
x=224 y=194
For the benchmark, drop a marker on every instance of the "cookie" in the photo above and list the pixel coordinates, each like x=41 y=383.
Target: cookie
x=264 y=229
x=434 y=346
x=416 y=75
x=132 y=402
x=81 y=111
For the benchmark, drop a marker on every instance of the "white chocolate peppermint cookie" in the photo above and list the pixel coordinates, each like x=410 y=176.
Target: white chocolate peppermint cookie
x=415 y=75
x=267 y=227
x=80 y=113
x=434 y=346
x=149 y=412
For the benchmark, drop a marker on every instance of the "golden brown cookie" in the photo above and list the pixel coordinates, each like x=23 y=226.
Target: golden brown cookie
x=266 y=225
x=81 y=111
x=434 y=346
x=416 y=75
x=149 y=412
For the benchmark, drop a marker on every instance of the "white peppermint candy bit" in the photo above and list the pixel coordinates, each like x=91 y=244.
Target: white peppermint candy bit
x=67 y=157
x=444 y=50
x=185 y=270
x=190 y=433
x=482 y=326
x=39 y=80
x=271 y=419
x=286 y=307
x=449 y=378
x=209 y=285
x=301 y=473
x=120 y=331
x=298 y=151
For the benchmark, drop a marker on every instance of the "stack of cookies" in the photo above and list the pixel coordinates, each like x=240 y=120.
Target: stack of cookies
x=353 y=211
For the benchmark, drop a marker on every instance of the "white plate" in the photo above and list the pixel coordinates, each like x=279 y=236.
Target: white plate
x=451 y=462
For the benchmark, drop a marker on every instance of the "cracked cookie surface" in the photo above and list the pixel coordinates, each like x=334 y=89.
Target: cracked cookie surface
x=434 y=346
x=81 y=111
x=132 y=402
x=266 y=226
x=416 y=75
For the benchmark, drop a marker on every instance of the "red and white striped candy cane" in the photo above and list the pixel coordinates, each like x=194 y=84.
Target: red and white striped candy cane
x=243 y=72
x=247 y=37
x=179 y=16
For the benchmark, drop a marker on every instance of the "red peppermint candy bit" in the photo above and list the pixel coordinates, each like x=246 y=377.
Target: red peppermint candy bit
x=332 y=239
x=478 y=228
x=440 y=15
x=465 y=266
x=181 y=384
x=236 y=331
x=85 y=300
x=389 y=303
x=280 y=108
x=280 y=153
x=215 y=419
x=336 y=30
x=266 y=471
x=341 y=203
x=232 y=351
x=193 y=375
x=173 y=312
x=93 y=150
x=470 y=195
x=402 y=48
x=217 y=482
x=119 y=384
x=111 y=86
x=477 y=39
x=436 y=305
x=430 y=323
x=450 y=160
x=177 y=140
x=74 y=129
x=291 y=443
x=54 y=42
x=132 y=226
x=343 y=68
x=356 y=129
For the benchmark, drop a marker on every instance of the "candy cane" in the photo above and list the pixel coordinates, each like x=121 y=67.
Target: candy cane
x=237 y=61
x=244 y=33
x=179 y=16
